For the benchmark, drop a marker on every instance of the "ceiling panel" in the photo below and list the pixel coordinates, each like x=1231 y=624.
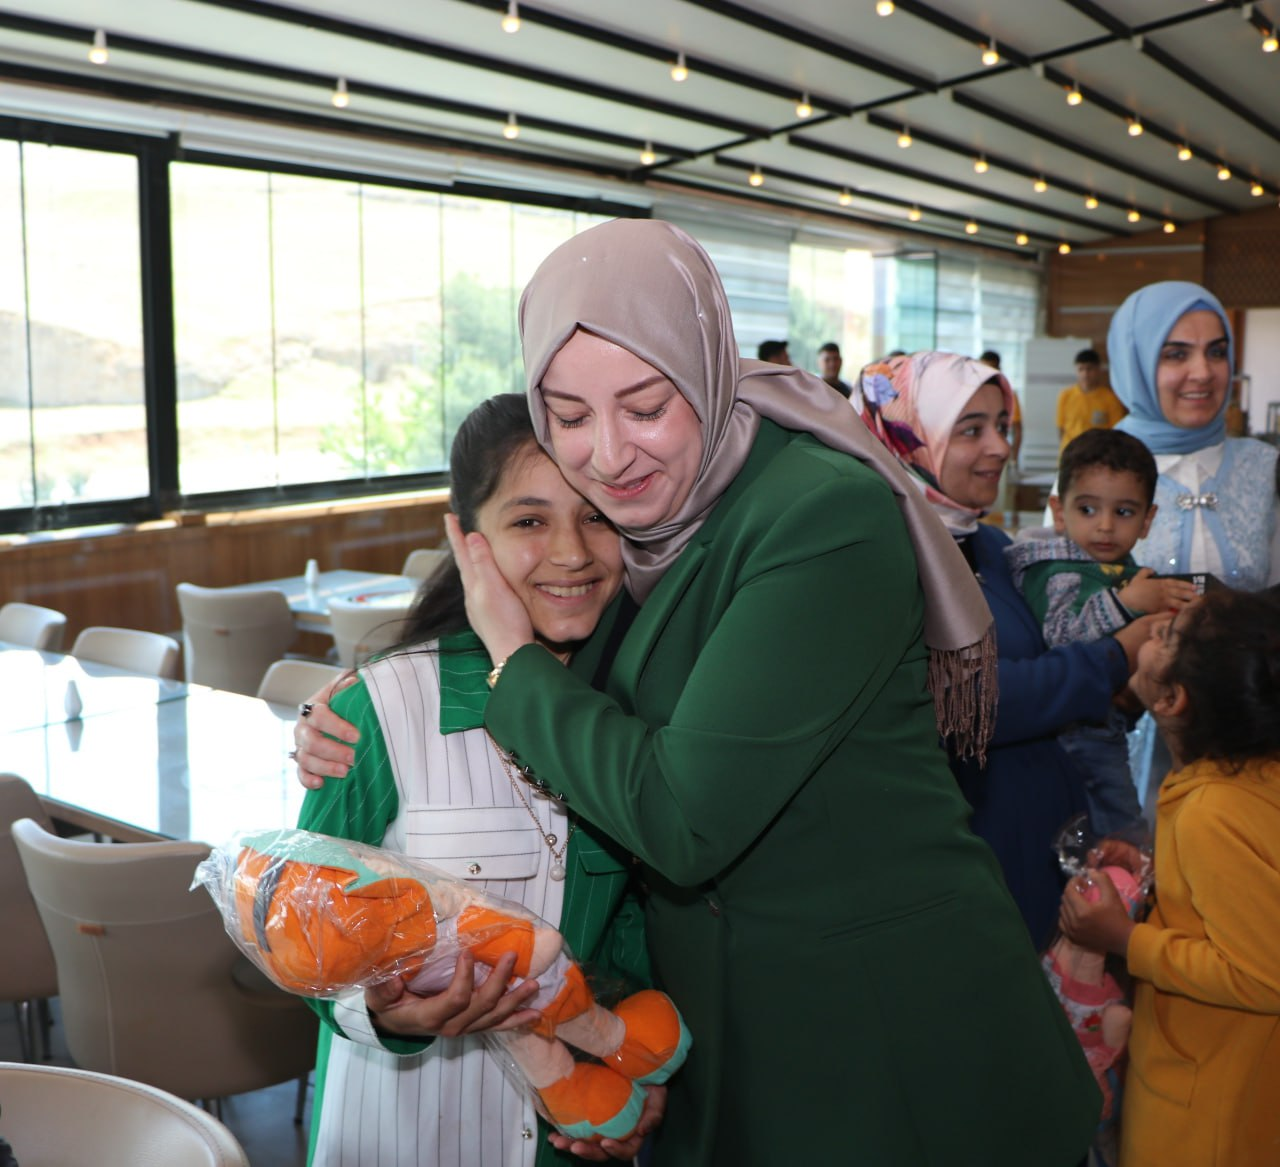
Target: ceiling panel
x=589 y=82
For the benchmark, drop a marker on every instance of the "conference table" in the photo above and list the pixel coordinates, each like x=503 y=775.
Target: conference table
x=143 y=758
x=309 y=602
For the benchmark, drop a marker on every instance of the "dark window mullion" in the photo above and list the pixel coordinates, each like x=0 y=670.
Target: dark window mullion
x=160 y=377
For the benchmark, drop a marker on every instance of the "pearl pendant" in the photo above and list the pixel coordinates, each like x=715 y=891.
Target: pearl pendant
x=557 y=871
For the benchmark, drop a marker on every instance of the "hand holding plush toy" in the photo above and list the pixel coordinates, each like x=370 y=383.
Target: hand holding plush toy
x=321 y=916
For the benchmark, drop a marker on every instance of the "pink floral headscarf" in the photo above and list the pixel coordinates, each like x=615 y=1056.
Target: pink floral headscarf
x=911 y=404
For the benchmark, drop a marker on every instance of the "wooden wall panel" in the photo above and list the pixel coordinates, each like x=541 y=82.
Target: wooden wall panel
x=128 y=578
x=1087 y=286
x=1242 y=265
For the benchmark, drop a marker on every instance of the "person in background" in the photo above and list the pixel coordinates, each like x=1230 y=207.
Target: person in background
x=1204 y=1052
x=992 y=358
x=766 y=741
x=404 y=1079
x=946 y=417
x=1081 y=583
x=1088 y=404
x=773 y=351
x=829 y=365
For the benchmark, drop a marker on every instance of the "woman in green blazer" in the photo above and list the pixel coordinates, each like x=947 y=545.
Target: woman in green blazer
x=858 y=983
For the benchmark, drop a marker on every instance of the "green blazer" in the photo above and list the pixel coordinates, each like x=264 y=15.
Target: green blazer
x=857 y=981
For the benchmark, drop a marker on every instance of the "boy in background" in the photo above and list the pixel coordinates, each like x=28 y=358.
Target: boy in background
x=1081 y=582
x=1089 y=403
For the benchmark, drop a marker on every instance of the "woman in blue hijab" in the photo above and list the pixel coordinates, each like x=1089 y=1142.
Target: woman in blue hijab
x=1172 y=357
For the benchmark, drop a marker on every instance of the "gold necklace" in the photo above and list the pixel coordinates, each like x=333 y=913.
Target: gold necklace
x=557 y=857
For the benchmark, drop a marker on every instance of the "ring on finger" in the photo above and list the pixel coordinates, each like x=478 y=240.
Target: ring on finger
x=304 y=710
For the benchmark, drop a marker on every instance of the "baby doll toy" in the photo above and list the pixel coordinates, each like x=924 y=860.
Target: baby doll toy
x=321 y=916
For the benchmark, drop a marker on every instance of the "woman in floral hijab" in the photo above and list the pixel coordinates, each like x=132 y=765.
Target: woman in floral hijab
x=945 y=418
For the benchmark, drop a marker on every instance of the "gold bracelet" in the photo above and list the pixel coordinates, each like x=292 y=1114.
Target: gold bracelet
x=494 y=673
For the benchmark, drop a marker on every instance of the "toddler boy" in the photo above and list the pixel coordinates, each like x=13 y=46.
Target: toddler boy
x=1081 y=582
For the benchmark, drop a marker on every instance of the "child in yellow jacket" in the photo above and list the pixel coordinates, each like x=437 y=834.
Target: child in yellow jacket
x=1203 y=1087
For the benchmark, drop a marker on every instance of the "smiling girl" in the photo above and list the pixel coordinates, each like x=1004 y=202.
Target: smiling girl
x=402 y=1080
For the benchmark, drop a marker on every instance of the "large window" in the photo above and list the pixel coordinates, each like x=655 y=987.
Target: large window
x=332 y=330
x=73 y=425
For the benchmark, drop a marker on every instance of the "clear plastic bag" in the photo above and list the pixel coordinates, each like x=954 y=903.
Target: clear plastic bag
x=322 y=916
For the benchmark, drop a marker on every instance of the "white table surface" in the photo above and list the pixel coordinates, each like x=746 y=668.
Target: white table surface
x=310 y=605
x=33 y=688
x=200 y=767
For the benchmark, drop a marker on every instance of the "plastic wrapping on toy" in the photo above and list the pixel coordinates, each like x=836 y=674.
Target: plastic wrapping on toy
x=322 y=916
x=1080 y=848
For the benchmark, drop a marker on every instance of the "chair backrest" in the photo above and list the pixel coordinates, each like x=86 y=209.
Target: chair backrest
x=151 y=986
x=421 y=563
x=290 y=682
x=27 y=971
x=55 y=1116
x=360 y=630
x=32 y=626
x=230 y=636
x=129 y=648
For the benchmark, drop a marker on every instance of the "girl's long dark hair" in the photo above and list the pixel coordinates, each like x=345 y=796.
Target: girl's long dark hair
x=494 y=434
x=1227 y=659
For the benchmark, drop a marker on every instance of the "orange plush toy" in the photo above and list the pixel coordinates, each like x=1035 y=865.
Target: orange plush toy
x=321 y=916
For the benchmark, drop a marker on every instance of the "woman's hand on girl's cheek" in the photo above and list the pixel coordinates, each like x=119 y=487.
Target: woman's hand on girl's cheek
x=1099 y=924
x=655 y=1106
x=494 y=611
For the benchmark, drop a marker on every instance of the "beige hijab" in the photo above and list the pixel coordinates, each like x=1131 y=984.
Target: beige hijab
x=647 y=286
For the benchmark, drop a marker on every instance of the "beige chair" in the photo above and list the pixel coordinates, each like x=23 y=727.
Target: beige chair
x=361 y=630
x=290 y=682
x=230 y=637
x=151 y=987
x=421 y=563
x=54 y=1116
x=32 y=626
x=129 y=648
x=28 y=976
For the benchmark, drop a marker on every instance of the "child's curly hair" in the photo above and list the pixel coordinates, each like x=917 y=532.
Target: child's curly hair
x=1227 y=657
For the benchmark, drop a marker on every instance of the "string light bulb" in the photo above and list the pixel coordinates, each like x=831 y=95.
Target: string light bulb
x=990 y=56
x=511 y=18
x=340 y=97
x=98 y=50
x=980 y=165
x=647 y=156
x=1040 y=186
x=756 y=178
x=904 y=138
x=1064 y=248
x=1224 y=172
x=1257 y=190
x=884 y=7
x=844 y=198
x=1021 y=239
x=1091 y=203
x=1135 y=128
x=971 y=228
x=680 y=71
x=914 y=214
x=1169 y=227
x=1270 y=42
x=1133 y=216
x=1184 y=153
x=803 y=108
x=1074 y=96
x=511 y=131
